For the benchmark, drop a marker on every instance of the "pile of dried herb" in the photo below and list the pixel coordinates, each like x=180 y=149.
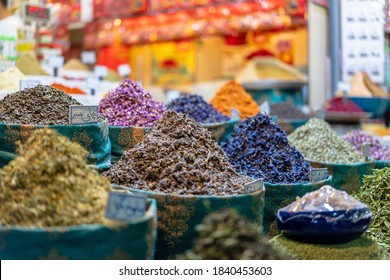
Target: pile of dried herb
x=50 y=184
x=177 y=156
x=376 y=194
x=195 y=107
x=287 y=111
x=130 y=105
x=233 y=95
x=358 y=139
x=259 y=148
x=227 y=235
x=318 y=142
x=358 y=249
x=28 y=64
x=40 y=105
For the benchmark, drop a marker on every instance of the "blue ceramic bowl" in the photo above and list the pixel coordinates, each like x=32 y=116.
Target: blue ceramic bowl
x=374 y=105
x=329 y=227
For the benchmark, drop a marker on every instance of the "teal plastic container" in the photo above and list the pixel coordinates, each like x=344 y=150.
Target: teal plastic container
x=276 y=91
x=179 y=214
x=347 y=177
x=221 y=131
x=280 y=195
x=133 y=240
x=93 y=137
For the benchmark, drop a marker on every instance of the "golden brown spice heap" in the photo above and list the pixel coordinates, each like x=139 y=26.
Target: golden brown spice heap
x=233 y=95
x=50 y=184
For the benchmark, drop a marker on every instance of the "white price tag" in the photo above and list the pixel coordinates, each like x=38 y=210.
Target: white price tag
x=56 y=61
x=6 y=64
x=124 y=70
x=88 y=57
x=235 y=115
x=366 y=151
x=318 y=174
x=79 y=114
x=172 y=95
x=264 y=108
x=93 y=83
x=100 y=71
x=124 y=207
x=28 y=84
x=254 y=186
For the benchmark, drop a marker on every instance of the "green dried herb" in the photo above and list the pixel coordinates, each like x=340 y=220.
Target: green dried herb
x=375 y=192
x=358 y=249
x=318 y=142
x=227 y=235
x=50 y=184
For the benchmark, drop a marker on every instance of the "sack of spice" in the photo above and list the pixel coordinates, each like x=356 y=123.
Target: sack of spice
x=259 y=148
x=190 y=178
x=227 y=235
x=52 y=206
x=28 y=64
x=130 y=111
x=43 y=106
x=233 y=95
x=196 y=107
x=289 y=116
x=375 y=193
x=323 y=148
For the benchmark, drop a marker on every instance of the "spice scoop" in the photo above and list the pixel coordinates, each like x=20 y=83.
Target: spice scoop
x=324 y=216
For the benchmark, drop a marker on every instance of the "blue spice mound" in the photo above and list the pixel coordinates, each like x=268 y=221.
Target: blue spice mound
x=259 y=148
x=195 y=107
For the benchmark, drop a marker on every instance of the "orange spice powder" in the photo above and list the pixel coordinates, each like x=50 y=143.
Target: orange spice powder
x=68 y=90
x=233 y=95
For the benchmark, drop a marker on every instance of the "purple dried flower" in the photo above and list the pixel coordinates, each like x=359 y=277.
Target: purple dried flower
x=130 y=105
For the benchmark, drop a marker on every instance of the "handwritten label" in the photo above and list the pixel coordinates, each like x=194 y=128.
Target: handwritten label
x=83 y=114
x=264 y=108
x=100 y=71
x=124 y=207
x=235 y=115
x=318 y=174
x=88 y=57
x=28 y=84
x=124 y=70
x=254 y=186
x=56 y=61
x=366 y=151
x=93 y=83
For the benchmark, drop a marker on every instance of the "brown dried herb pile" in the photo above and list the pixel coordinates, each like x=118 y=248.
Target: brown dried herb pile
x=40 y=105
x=50 y=184
x=177 y=156
x=227 y=235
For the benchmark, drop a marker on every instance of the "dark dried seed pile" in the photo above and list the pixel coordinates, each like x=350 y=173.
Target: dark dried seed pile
x=42 y=105
x=177 y=156
x=287 y=111
x=227 y=235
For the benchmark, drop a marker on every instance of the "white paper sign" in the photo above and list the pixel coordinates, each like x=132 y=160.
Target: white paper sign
x=100 y=71
x=172 y=95
x=318 y=174
x=56 y=61
x=254 y=186
x=28 y=84
x=124 y=70
x=235 y=115
x=79 y=114
x=88 y=57
x=366 y=151
x=93 y=83
x=124 y=207
x=264 y=108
